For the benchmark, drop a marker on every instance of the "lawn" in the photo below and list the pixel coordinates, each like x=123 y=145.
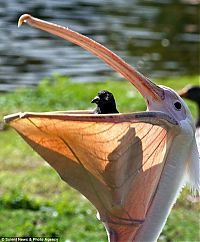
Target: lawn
x=35 y=202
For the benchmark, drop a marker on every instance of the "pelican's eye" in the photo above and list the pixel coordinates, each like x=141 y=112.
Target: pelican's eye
x=178 y=105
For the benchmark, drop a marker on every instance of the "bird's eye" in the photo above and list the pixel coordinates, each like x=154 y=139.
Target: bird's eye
x=177 y=105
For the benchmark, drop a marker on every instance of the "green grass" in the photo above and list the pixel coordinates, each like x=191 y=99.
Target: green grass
x=33 y=199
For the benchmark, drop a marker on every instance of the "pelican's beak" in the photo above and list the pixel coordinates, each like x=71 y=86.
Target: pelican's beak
x=148 y=89
x=183 y=93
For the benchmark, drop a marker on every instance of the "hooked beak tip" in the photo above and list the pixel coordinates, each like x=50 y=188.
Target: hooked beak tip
x=23 y=19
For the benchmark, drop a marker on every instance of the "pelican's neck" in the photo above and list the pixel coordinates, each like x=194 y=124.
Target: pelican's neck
x=171 y=182
x=198 y=118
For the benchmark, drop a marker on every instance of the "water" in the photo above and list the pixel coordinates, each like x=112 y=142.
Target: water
x=160 y=38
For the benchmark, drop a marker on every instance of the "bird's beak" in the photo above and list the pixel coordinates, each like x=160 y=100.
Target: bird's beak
x=95 y=100
x=183 y=93
x=148 y=89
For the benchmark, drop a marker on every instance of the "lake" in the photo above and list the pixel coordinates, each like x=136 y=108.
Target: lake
x=159 y=38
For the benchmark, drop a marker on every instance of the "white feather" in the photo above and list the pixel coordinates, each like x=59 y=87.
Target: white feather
x=171 y=182
x=193 y=169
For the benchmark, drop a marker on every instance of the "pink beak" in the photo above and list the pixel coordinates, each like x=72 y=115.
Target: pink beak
x=147 y=88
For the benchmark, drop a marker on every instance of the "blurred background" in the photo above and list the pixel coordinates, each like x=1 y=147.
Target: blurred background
x=40 y=72
x=160 y=38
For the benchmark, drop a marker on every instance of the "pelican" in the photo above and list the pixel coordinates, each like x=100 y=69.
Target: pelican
x=131 y=166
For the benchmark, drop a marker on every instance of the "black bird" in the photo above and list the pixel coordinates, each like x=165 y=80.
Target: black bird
x=192 y=93
x=105 y=103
